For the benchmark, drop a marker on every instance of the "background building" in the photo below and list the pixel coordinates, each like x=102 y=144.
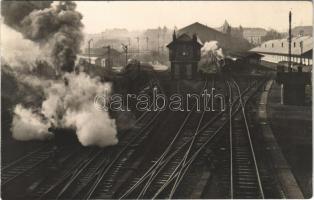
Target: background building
x=254 y=35
x=302 y=31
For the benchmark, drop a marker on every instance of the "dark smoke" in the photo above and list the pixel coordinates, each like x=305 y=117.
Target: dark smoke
x=14 y=12
x=58 y=26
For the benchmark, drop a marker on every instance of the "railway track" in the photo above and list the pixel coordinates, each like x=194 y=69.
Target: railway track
x=168 y=162
x=24 y=179
x=99 y=190
x=175 y=172
x=242 y=173
x=101 y=164
x=245 y=179
x=25 y=164
x=107 y=173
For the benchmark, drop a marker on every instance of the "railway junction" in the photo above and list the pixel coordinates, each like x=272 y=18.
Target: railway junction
x=248 y=145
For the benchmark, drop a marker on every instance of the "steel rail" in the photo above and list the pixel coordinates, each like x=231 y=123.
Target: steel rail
x=230 y=141
x=154 y=168
x=73 y=175
x=72 y=171
x=185 y=167
x=250 y=141
x=187 y=154
x=148 y=172
x=105 y=170
x=22 y=158
x=35 y=164
x=202 y=146
x=193 y=157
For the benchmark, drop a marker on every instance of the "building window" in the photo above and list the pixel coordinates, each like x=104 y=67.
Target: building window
x=282 y=44
x=272 y=45
x=294 y=44
x=265 y=45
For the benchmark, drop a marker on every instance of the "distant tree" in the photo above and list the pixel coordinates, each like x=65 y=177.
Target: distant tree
x=272 y=34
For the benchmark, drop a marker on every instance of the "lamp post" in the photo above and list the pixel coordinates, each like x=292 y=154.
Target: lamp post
x=125 y=48
x=89 y=41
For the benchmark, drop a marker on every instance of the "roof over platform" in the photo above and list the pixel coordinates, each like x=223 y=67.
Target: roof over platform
x=281 y=46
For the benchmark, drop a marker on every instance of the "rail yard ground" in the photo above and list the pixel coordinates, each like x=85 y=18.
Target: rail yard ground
x=169 y=154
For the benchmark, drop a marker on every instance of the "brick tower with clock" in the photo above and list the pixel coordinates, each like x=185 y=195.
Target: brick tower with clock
x=184 y=55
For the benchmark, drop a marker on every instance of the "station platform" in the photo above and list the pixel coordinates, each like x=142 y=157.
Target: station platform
x=288 y=134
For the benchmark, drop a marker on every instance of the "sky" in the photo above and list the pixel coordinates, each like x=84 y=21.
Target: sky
x=139 y=15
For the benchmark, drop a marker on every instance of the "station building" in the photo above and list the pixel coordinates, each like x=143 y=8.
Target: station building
x=277 y=51
x=225 y=39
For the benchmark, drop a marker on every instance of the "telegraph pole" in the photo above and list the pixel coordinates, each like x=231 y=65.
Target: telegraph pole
x=89 y=41
x=289 y=40
x=147 y=43
x=125 y=48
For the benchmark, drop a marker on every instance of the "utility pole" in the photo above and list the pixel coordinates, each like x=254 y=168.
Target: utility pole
x=109 y=56
x=89 y=41
x=301 y=46
x=125 y=48
x=158 y=42
x=138 y=45
x=289 y=40
x=129 y=40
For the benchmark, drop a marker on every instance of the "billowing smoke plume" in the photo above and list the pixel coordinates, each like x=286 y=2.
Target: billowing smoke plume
x=212 y=57
x=42 y=56
x=56 y=27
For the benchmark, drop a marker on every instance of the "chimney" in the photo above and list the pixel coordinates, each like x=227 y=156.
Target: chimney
x=194 y=37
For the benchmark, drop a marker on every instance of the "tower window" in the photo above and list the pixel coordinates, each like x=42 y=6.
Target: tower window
x=265 y=45
x=272 y=45
x=294 y=44
x=282 y=44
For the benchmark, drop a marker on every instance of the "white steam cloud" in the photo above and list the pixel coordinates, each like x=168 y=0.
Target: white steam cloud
x=27 y=125
x=212 y=57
